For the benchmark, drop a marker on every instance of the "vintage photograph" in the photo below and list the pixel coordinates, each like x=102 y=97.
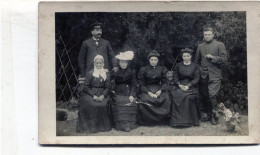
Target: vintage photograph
x=165 y=73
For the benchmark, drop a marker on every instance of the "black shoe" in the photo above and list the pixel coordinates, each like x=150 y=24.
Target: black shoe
x=214 y=120
x=205 y=117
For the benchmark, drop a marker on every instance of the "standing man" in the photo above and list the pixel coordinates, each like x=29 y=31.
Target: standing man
x=210 y=55
x=96 y=46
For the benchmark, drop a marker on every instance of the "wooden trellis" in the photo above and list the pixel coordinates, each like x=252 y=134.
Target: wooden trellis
x=66 y=77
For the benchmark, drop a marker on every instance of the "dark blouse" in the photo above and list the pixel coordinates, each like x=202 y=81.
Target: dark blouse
x=186 y=74
x=96 y=86
x=125 y=81
x=150 y=75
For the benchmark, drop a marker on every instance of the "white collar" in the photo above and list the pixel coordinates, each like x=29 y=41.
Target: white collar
x=186 y=63
x=95 y=38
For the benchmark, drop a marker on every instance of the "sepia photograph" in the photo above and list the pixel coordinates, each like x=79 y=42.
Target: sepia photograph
x=161 y=72
x=152 y=73
x=130 y=77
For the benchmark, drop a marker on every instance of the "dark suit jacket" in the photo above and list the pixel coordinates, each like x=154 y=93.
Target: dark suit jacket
x=89 y=50
x=212 y=67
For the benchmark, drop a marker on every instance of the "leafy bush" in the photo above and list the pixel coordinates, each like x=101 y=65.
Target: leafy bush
x=235 y=96
x=166 y=32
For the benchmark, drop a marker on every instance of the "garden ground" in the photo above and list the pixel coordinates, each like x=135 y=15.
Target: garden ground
x=68 y=128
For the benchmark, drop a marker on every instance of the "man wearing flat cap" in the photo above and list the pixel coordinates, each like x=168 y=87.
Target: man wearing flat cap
x=96 y=46
x=210 y=55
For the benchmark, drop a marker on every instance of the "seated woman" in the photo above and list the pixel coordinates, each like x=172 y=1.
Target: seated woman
x=185 y=108
x=93 y=113
x=124 y=113
x=153 y=85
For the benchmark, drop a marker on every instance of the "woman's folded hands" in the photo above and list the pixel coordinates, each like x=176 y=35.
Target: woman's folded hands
x=98 y=99
x=184 y=88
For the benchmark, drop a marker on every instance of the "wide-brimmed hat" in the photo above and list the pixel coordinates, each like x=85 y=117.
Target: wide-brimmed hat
x=127 y=55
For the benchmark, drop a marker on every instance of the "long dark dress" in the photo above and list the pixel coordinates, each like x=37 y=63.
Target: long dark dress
x=93 y=116
x=124 y=114
x=152 y=79
x=185 y=108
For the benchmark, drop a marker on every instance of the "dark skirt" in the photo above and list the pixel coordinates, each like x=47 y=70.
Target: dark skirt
x=124 y=113
x=185 y=108
x=154 y=110
x=93 y=116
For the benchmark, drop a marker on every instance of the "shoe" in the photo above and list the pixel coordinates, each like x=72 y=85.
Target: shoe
x=214 y=120
x=205 y=117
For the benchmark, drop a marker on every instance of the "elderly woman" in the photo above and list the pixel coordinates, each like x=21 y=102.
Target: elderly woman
x=93 y=110
x=124 y=111
x=185 y=108
x=153 y=85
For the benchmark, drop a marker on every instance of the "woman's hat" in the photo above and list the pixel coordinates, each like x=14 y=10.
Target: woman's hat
x=153 y=54
x=98 y=57
x=128 y=55
x=186 y=50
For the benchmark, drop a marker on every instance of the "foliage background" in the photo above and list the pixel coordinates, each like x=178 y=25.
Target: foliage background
x=166 y=32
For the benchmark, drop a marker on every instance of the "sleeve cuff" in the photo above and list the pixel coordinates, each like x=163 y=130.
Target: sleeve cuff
x=163 y=88
x=146 y=91
x=133 y=94
x=91 y=94
x=83 y=74
x=105 y=93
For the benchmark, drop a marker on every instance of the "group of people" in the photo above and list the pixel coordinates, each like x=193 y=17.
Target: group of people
x=118 y=96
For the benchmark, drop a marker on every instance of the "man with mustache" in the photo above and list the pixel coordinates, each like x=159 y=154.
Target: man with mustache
x=95 y=46
x=210 y=55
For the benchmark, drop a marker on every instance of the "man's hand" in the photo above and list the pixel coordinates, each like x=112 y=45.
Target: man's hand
x=101 y=98
x=131 y=99
x=158 y=93
x=95 y=98
x=115 y=69
x=209 y=56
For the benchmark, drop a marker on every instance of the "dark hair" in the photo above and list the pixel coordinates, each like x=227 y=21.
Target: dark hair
x=186 y=50
x=153 y=53
x=209 y=28
x=92 y=26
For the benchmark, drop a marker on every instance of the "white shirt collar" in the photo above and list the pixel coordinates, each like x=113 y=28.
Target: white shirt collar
x=95 y=38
